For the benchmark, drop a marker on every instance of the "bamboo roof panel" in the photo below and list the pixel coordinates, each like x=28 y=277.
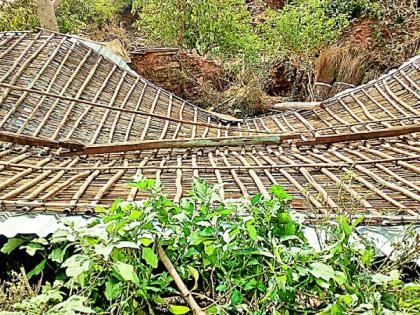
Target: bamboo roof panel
x=77 y=127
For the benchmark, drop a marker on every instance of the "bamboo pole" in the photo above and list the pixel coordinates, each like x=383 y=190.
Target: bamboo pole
x=35 y=141
x=286 y=106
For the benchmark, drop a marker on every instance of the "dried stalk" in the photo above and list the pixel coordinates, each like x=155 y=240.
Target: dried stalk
x=186 y=294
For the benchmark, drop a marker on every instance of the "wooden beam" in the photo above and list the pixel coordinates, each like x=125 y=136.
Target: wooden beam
x=362 y=135
x=182 y=143
x=40 y=142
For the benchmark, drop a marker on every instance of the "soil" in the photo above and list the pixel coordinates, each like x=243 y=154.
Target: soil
x=187 y=74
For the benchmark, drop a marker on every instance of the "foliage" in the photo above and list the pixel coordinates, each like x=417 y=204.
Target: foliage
x=352 y=8
x=236 y=256
x=14 y=290
x=301 y=27
x=18 y=15
x=72 y=15
x=219 y=27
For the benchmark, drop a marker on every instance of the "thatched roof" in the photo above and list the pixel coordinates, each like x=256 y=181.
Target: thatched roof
x=78 y=126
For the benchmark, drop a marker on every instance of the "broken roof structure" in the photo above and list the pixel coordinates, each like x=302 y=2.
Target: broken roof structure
x=77 y=124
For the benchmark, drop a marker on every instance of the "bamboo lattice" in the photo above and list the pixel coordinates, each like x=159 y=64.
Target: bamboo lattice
x=76 y=127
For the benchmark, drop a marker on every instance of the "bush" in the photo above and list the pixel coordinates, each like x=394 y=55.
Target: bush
x=219 y=27
x=352 y=8
x=301 y=28
x=18 y=15
x=237 y=256
x=72 y=15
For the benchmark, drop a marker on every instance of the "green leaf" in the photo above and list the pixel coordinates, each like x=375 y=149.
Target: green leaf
x=367 y=256
x=389 y=301
x=340 y=277
x=256 y=199
x=77 y=264
x=57 y=255
x=284 y=217
x=73 y=305
x=213 y=310
x=252 y=232
x=279 y=192
x=194 y=273
x=32 y=247
x=322 y=271
x=187 y=205
x=104 y=250
x=411 y=287
x=209 y=248
x=135 y=214
x=11 y=244
x=221 y=287
x=144 y=184
x=383 y=279
x=126 y=271
x=145 y=241
x=178 y=309
x=126 y=244
x=38 y=268
x=113 y=289
x=348 y=299
x=150 y=257
x=290 y=229
x=344 y=225
x=236 y=297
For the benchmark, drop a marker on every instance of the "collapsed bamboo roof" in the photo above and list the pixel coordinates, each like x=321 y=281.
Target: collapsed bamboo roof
x=77 y=126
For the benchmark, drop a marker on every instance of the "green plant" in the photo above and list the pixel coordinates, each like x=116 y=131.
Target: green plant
x=18 y=15
x=72 y=15
x=14 y=290
x=236 y=256
x=219 y=27
x=352 y=8
x=301 y=27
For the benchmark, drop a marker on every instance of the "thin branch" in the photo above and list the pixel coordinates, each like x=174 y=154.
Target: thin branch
x=186 y=294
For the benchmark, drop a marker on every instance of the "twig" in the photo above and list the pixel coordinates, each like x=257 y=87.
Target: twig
x=186 y=294
x=25 y=277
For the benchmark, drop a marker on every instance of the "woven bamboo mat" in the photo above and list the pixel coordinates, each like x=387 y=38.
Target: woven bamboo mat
x=76 y=127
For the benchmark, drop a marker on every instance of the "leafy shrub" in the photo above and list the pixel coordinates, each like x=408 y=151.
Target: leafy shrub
x=222 y=27
x=352 y=8
x=301 y=27
x=14 y=290
x=72 y=15
x=237 y=256
x=18 y=15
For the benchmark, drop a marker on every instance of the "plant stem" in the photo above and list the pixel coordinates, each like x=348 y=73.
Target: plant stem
x=186 y=294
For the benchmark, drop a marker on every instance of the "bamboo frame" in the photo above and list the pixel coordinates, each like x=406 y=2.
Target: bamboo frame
x=76 y=127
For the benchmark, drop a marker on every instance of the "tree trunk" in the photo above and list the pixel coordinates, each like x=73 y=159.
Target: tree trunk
x=46 y=14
